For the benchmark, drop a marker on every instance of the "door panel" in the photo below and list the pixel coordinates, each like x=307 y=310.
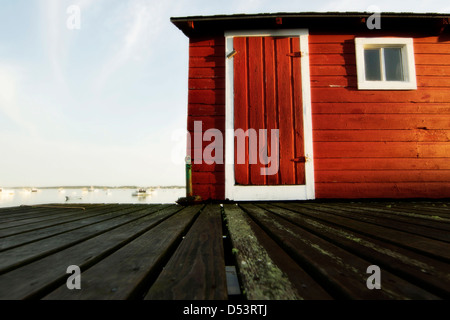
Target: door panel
x=268 y=96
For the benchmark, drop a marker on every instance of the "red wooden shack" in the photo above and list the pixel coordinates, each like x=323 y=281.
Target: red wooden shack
x=319 y=105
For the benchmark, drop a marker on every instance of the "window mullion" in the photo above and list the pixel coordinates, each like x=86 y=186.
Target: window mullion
x=382 y=65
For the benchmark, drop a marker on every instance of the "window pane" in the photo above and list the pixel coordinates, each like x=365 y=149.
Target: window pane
x=393 y=64
x=372 y=64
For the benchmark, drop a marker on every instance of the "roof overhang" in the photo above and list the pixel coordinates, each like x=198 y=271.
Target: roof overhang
x=192 y=26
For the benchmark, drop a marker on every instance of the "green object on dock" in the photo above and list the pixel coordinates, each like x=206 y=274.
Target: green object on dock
x=190 y=198
x=188 y=177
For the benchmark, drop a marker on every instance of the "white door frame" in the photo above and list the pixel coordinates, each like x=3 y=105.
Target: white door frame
x=279 y=192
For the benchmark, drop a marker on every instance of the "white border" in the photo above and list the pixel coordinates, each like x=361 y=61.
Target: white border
x=282 y=192
x=409 y=68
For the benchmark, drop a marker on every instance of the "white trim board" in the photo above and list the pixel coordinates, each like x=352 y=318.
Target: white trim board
x=281 y=192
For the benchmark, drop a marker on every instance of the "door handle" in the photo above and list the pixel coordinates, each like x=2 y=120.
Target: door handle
x=297 y=54
x=299 y=160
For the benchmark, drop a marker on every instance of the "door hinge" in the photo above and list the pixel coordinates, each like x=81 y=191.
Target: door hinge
x=231 y=54
x=295 y=54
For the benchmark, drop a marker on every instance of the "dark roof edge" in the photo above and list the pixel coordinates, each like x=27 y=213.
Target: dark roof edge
x=240 y=16
x=198 y=25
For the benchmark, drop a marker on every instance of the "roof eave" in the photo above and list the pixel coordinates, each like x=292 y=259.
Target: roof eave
x=198 y=25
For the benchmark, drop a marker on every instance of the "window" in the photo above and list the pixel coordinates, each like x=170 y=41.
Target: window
x=385 y=64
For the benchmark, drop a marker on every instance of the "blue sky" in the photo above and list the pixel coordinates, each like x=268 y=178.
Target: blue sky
x=106 y=104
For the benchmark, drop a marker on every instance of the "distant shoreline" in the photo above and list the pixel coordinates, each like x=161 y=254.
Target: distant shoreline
x=100 y=187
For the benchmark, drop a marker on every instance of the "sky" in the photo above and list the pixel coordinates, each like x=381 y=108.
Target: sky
x=100 y=98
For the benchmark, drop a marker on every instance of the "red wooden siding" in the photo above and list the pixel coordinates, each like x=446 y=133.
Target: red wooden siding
x=379 y=144
x=206 y=103
x=367 y=144
x=267 y=95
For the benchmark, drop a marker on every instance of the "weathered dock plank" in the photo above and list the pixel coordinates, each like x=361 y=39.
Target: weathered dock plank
x=437 y=249
x=419 y=212
x=59 y=220
x=28 y=250
x=422 y=227
x=38 y=278
x=282 y=250
x=123 y=274
x=31 y=233
x=266 y=271
x=29 y=213
x=422 y=216
x=196 y=270
x=425 y=272
x=53 y=215
x=17 y=211
x=344 y=273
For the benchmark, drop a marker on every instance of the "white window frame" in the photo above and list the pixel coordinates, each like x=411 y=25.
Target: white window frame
x=409 y=66
x=270 y=192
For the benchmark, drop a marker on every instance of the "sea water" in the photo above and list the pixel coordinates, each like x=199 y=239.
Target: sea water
x=19 y=196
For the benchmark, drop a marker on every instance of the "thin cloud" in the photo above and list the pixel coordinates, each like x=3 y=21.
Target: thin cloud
x=9 y=98
x=140 y=20
x=54 y=33
x=52 y=20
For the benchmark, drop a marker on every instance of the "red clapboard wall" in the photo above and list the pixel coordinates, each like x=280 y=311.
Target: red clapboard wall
x=379 y=144
x=206 y=103
x=367 y=144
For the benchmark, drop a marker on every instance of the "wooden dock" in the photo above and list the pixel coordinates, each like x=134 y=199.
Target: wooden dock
x=274 y=251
